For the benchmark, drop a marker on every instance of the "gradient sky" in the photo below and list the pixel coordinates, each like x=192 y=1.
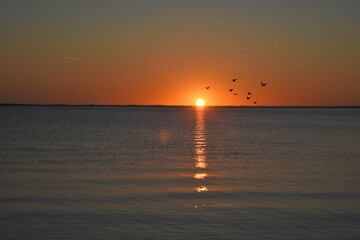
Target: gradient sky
x=166 y=52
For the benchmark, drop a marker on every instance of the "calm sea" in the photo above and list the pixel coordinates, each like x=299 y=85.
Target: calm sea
x=179 y=173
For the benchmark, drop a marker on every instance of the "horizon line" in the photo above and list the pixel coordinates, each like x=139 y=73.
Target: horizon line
x=164 y=105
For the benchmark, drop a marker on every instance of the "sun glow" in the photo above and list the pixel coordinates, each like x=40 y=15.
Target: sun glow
x=200 y=103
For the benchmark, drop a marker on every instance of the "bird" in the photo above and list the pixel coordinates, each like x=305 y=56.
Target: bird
x=235 y=94
x=255 y=102
x=231 y=89
x=263 y=84
x=207 y=87
x=234 y=80
x=247 y=98
x=249 y=93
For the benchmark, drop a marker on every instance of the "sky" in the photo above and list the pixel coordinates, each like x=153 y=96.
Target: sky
x=165 y=52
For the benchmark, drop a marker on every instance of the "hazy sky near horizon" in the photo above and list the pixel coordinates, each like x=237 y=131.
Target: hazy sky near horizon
x=167 y=51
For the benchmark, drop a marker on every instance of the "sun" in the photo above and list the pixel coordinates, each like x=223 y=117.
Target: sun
x=200 y=103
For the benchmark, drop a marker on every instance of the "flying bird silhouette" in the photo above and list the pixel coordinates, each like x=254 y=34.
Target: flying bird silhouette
x=235 y=94
x=247 y=98
x=249 y=93
x=255 y=102
x=207 y=87
x=234 y=80
x=263 y=84
x=231 y=89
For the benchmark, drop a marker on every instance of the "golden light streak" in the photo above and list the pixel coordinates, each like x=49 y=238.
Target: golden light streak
x=202 y=189
x=200 y=176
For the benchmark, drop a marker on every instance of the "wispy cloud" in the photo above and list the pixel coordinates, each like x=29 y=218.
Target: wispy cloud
x=247 y=48
x=73 y=58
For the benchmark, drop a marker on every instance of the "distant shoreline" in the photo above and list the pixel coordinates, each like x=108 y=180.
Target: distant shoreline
x=161 y=106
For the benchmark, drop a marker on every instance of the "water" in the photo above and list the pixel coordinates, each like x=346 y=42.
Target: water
x=179 y=173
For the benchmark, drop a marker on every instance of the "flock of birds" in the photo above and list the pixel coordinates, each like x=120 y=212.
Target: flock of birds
x=248 y=97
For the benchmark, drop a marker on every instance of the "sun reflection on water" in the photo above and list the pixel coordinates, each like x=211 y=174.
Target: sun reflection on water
x=201 y=164
x=200 y=175
x=202 y=189
x=200 y=149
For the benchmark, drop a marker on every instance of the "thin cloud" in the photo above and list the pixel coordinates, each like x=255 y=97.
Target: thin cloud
x=73 y=58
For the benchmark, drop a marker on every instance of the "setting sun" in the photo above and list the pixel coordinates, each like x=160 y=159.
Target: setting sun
x=200 y=102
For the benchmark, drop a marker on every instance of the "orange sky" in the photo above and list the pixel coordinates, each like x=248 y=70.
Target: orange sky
x=156 y=52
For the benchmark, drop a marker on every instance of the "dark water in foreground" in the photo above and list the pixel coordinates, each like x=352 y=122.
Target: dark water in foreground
x=179 y=173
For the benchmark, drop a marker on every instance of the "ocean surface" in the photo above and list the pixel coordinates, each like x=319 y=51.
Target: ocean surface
x=179 y=173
